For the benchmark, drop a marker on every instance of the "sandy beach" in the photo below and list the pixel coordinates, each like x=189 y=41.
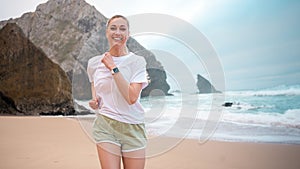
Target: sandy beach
x=61 y=143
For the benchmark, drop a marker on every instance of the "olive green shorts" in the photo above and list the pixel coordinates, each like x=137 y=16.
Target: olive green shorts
x=130 y=137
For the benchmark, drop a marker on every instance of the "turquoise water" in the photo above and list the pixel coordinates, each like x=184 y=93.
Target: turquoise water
x=267 y=115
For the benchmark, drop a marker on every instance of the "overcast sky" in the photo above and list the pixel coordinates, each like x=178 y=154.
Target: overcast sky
x=257 y=41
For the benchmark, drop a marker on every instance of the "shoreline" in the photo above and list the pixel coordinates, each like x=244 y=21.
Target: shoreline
x=89 y=120
x=34 y=142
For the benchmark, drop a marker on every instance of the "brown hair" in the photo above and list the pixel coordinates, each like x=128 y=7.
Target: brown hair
x=117 y=16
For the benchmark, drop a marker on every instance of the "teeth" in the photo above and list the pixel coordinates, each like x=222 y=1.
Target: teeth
x=117 y=39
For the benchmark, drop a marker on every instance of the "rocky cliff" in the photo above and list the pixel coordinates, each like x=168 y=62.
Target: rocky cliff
x=204 y=86
x=70 y=32
x=31 y=84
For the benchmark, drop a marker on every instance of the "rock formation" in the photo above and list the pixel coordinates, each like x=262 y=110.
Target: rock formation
x=156 y=81
x=227 y=104
x=31 y=84
x=204 y=86
x=70 y=32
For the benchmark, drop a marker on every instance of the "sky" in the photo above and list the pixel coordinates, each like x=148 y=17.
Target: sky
x=257 y=42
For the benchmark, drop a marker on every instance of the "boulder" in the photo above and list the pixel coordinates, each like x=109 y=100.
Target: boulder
x=227 y=104
x=31 y=84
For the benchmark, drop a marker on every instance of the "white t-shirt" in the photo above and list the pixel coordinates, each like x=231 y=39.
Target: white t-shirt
x=111 y=102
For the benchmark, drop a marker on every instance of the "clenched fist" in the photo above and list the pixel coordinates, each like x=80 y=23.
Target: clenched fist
x=108 y=61
x=94 y=104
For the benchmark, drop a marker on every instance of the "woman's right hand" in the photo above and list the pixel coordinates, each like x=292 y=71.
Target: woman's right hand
x=94 y=104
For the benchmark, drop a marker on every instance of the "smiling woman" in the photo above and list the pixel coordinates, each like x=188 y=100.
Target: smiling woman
x=117 y=78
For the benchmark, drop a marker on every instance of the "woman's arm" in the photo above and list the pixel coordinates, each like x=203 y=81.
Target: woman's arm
x=94 y=102
x=130 y=91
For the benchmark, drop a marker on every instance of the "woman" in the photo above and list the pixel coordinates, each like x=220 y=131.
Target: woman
x=117 y=78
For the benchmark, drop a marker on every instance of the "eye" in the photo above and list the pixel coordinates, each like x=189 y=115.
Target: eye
x=113 y=28
x=123 y=29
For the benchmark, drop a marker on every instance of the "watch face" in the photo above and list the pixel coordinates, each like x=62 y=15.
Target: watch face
x=115 y=70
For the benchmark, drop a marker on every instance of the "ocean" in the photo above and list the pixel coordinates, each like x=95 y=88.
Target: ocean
x=268 y=115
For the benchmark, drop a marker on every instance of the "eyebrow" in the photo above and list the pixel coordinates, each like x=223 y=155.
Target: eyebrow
x=120 y=25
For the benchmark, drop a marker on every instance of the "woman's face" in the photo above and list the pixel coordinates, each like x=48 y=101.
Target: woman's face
x=117 y=32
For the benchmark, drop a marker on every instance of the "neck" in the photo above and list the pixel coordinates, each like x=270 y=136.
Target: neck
x=118 y=50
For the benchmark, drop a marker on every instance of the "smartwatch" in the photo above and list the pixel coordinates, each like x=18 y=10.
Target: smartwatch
x=115 y=70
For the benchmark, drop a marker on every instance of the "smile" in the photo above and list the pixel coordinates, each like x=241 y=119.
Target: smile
x=118 y=39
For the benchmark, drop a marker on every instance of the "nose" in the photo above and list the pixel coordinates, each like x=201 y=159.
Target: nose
x=117 y=31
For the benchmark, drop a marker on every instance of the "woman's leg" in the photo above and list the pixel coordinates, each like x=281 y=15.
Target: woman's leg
x=109 y=155
x=134 y=160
